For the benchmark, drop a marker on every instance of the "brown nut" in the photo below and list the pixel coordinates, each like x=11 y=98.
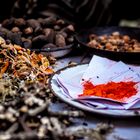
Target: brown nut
x=26 y=42
x=136 y=47
x=126 y=38
x=60 y=22
x=116 y=34
x=33 y=23
x=8 y=23
x=47 y=31
x=70 y=39
x=92 y=43
x=48 y=22
x=39 y=41
x=69 y=29
x=60 y=40
x=92 y=36
x=28 y=30
x=38 y=30
x=14 y=37
x=15 y=29
x=3 y=32
x=50 y=34
x=20 y=22
x=64 y=34
x=57 y=27
x=108 y=46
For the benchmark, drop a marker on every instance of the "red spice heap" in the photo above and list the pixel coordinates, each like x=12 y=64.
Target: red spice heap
x=117 y=91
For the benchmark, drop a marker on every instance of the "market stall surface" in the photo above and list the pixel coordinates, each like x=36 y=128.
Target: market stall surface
x=51 y=118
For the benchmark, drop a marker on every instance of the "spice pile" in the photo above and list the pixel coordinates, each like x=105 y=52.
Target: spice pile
x=39 y=33
x=22 y=63
x=114 y=42
x=113 y=90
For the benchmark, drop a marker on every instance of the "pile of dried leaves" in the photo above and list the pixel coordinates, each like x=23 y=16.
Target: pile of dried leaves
x=21 y=62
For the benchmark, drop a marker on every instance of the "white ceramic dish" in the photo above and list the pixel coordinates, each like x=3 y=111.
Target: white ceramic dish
x=57 y=91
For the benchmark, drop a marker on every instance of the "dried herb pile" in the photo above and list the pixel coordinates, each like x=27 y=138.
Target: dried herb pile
x=29 y=116
x=22 y=63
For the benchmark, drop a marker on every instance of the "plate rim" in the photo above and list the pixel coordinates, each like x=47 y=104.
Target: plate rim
x=54 y=49
x=88 y=109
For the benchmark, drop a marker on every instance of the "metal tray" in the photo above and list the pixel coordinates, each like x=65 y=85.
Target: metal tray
x=130 y=57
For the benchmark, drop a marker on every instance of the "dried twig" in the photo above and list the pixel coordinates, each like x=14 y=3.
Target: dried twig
x=66 y=113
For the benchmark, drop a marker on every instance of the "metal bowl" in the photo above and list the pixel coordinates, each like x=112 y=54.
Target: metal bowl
x=130 y=57
x=55 y=52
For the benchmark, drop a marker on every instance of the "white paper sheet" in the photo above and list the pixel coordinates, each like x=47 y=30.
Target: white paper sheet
x=106 y=70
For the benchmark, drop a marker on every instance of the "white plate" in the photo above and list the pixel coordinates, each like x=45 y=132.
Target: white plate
x=71 y=70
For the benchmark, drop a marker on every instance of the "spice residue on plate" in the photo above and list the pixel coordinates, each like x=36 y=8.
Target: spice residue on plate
x=118 y=91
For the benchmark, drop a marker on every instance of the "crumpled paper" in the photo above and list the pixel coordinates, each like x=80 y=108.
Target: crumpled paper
x=99 y=71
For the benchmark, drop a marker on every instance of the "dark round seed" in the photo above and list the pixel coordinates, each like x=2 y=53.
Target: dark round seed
x=15 y=29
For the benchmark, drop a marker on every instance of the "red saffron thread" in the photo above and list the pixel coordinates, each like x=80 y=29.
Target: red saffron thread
x=118 y=91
